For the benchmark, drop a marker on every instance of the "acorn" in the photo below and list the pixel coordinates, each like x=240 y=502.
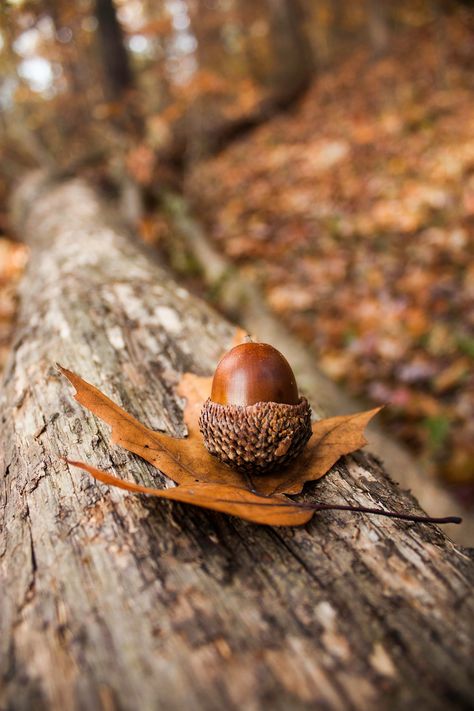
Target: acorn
x=255 y=419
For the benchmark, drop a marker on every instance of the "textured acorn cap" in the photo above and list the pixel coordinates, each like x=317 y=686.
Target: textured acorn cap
x=255 y=438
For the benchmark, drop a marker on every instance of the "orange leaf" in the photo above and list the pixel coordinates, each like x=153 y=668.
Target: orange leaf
x=186 y=461
x=226 y=499
x=183 y=460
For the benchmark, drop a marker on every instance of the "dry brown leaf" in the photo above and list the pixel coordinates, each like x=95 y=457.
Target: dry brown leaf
x=268 y=510
x=226 y=499
x=180 y=459
x=164 y=452
x=186 y=461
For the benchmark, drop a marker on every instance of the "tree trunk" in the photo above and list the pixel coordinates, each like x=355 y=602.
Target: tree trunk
x=120 y=602
x=116 y=66
x=378 y=26
x=293 y=56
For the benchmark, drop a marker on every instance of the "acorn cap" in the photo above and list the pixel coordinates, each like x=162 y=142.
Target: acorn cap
x=255 y=438
x=255 y=419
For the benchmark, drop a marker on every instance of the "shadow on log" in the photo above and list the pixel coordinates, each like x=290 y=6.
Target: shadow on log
x=116 y=601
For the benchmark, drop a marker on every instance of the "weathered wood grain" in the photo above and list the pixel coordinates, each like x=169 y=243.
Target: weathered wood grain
x=115 y=601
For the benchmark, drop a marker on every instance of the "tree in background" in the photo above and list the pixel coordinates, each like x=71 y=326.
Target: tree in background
x=117 y=71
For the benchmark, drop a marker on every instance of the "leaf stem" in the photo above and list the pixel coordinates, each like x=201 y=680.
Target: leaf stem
x=344 y=507
x=381 y=512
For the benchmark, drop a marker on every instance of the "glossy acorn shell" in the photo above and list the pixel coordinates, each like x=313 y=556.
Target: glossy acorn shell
x=255 y=420
x=254 y=372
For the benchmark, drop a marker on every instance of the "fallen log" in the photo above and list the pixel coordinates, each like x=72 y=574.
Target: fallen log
x=116 y=601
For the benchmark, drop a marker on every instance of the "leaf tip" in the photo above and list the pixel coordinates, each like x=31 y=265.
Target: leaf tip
x=375 y=411
x=69 y=375
x=72 y=462
x=64 y=371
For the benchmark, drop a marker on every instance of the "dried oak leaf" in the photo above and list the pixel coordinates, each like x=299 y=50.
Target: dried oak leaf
x=186 y=461
x=272 y=511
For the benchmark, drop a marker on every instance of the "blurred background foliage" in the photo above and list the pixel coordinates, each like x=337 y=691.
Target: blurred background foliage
x=327 y=147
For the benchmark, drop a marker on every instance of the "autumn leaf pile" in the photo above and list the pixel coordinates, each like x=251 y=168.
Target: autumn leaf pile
x=355 y=213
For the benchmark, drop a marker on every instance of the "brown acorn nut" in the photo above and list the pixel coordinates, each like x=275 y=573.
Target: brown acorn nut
x=255 y=420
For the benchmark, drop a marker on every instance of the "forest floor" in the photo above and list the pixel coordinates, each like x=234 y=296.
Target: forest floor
x=355 y=213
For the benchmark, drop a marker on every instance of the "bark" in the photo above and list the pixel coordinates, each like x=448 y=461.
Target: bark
x=115 y=601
